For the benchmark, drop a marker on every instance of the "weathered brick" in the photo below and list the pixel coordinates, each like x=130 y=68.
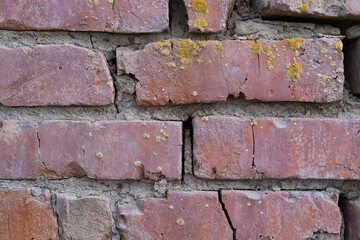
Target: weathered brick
x=111 y=150
x=352 y=59
x=54 y=75
x=183 y=215
x=307 y=148
x=351 y=213
x=26 y=217
x=331 y=9
x=83 y=218
x=182 y=72
x=283 y=215
x=19 y=150
x=223 y=148
x=120 y=16
x=208 y=15
x=282 y=148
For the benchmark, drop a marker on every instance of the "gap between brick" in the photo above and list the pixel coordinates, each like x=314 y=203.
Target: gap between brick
x=227 y=214
x=187 y=126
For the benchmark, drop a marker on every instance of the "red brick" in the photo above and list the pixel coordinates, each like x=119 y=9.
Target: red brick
x=283 y=148
x=223 y=148
x=83 y=218
x=307 y=148
x=332 y=9
x=55 y=75
x=183 y=72
x=19 y=150
x=283 y=215
x=121 y=16
x=26 y=217
x=111 y=150
x=183 y=215
x=208 y=15
x=351 y=213
x=352 y=58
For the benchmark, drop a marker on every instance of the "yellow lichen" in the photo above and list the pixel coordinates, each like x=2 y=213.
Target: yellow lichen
x=146 y=136
x=303 y=7
x=333 y=64
x=163 y=47
x=201 y=43
x=99 y=155
x=293 y=44
x=200 y=24
x=199 y=7
x=159 y=169
x=93 y=2
x=137 y=164
x=294 y=71
x=205 y=119
x=180 y=221
x=219 y=46
x=339 y=45
x=257 y=48
x=324 y=51
x=194 y=93
x=171 y=65
x=187 y=50
x=254 y=123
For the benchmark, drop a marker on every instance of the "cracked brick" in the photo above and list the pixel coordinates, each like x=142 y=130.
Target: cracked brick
x=283 y=148
x=183 y=215
x=283 y=215
x=184 y=72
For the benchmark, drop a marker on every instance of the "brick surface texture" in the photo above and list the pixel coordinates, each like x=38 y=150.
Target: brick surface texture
x=54 y=75
x=22 y=215
x=278 y=148
x=283 y=215
x=180 y=120
x=184 y=71
x=191 y=215
x=120 y=16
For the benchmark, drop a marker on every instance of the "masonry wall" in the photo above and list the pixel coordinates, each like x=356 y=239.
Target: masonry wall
x=156 y=119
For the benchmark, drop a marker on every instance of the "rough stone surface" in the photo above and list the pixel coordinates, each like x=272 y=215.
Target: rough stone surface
x=27 y=217
x=351 y=213
x=54 y=75
x=223 y=148
x=283 y=215
x=353 y=65
x=83 y=218
x=331 y=9
x=183 y=215
x=307 y=148
x=111 y=150
x=121 y=16
x=184 y=72
x=19 y=157
x=208 y=15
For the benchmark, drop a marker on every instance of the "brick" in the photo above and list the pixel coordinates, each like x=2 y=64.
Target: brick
x=307 y=148
x=54 y=75
x=208 y=16
x=332 y=9
x=111 y=150
x=19 y=155
x=351 y=213
x=83 y=218
x=183 y=215
x=223 y=148
x=352 y=59
x=26 y=217
x=184 y=72
x=283 y=215
x=282 y=148
x=120 y=16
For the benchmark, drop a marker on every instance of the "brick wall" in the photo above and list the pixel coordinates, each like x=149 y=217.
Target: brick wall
x=193 y=119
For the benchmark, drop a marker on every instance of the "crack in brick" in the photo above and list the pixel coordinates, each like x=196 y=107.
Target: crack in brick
x=227 y=214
